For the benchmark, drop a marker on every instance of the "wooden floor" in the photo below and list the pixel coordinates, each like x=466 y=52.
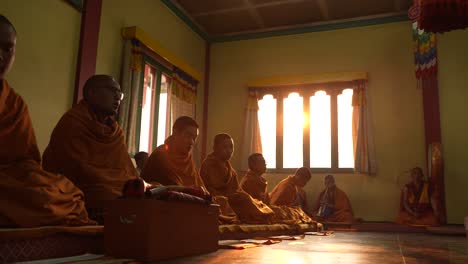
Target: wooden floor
x=341 y=247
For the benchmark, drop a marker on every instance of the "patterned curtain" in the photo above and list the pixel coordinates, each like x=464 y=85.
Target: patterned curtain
x=130 y=83
x=440 y=16
x=363 y=137
x=252 y=142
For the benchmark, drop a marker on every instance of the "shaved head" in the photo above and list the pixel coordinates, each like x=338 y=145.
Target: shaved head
x=5 y=21
x=223 y=146
x=7 y=46
x=103 y=94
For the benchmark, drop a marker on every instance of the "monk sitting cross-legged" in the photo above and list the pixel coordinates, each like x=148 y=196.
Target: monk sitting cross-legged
x=172 y=163
x=29 y=196
x=290 y=192
x=253 y=181
x=417 y=206
x=88 y=145
x=333 y=204
x=221 y=181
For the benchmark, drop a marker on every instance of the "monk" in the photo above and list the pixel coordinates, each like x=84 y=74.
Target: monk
x=333 y=204
x=221 y=181
x=29 y=196
x=253 y=181
x=87 y=145
x=290 y=192
x=417 y=206
x=172 y=163
x=140 y=159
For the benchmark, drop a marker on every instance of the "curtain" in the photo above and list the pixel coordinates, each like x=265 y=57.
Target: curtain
x=363 y=138
x=182 y=102
x=252 y=140
x=130 y=83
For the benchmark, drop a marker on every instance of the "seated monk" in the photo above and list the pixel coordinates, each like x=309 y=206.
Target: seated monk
x=29 y=196
x=417 y=204
x=88 y=145
x=221 y=181
x=333 y=204
x=290 y=192
x=172 y=163
x=253 y=182
x=140 y=160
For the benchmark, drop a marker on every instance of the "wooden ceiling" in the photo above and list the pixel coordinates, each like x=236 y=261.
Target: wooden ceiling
x=222 y=18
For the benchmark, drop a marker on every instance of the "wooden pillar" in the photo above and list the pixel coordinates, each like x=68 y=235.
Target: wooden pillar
x=87 y=53
x=206 y=92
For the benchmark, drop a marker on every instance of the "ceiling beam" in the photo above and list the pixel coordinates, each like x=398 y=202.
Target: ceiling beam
x=254 y=13
x=397 y=5
x=246 y=7
x=324 y=9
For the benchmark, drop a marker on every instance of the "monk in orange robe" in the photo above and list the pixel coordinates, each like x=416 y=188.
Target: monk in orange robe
x=333 y=204
x=172 y=163
x=88 y=145
x=416 y=205
x=29 y=196
x=253 y=181
x=221 y=181
x=290 y=192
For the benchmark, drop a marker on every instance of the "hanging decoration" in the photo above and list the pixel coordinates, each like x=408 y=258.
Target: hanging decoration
x=184 y=86
x=439 y=16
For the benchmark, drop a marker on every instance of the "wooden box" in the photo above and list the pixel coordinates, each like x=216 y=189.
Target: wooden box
x=149 y=230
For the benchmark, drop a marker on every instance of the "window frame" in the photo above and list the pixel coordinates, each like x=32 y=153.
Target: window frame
x=159 y=69
x=333 y=89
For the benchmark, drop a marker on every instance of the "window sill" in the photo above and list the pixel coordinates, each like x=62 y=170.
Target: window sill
x=313 y=170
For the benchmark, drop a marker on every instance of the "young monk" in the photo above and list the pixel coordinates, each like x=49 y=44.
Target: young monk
x=172 y=163
x=140 y=159
x=417 y=206
x=290 y=192
x=88 y=146
x=253 y=182
x=29 y=196
x=221 y=181
x=333 y=204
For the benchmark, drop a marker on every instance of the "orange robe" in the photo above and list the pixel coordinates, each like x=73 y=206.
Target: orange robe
x=419 y=201
x=221 y=181
x=30 y=196
x=256 y=186
x=92 y=155
x=342 y=210
x=167 y=167
x=287 y=193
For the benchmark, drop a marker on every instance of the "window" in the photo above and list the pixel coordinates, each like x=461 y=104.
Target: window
x=153 y=102
x=307 y=127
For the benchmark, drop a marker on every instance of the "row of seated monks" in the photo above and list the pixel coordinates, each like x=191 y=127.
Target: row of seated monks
x=86 y=164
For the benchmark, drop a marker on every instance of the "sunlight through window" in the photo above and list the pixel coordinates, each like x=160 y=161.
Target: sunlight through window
x=320 y=130
x=292 y=133
x=146 y=121
x=162 y=110
x=267 y=121
x=345 y=133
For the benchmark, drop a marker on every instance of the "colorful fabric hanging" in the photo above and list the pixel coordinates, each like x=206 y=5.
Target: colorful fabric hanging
x=425 y=52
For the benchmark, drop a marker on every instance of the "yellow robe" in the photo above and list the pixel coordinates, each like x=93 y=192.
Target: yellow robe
x=30 y=196
x=420 y=202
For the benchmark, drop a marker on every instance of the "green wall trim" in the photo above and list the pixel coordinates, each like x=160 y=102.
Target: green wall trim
x=186 y=19
x=317 y=28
